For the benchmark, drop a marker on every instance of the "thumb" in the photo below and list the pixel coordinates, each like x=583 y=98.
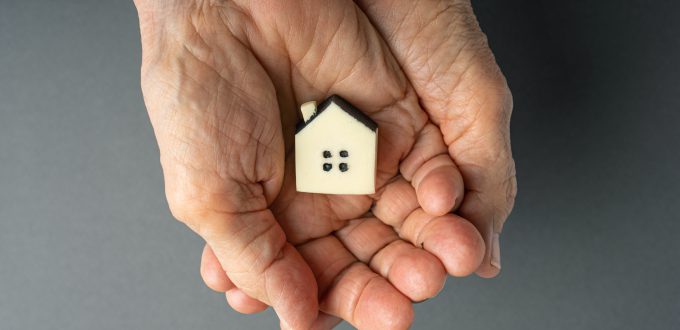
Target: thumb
x=233 y=217
x=252 y=247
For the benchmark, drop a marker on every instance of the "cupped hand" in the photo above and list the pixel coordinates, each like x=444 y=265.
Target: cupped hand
x=222 y=81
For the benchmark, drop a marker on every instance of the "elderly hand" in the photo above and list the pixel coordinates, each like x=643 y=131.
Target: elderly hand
x=222 y=81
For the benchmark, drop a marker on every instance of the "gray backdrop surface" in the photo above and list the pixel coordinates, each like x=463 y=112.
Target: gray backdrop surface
x=87 y=242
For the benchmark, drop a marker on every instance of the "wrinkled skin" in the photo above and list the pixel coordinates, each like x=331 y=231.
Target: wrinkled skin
x=222 y=81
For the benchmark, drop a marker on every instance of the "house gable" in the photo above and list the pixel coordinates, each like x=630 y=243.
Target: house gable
x=343 y=105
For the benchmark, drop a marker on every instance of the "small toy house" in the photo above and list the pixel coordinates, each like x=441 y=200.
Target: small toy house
x=335 y=149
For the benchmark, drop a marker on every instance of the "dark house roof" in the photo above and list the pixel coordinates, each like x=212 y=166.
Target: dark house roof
x=344 y=105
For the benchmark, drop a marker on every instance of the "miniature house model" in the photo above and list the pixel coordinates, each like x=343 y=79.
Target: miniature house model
x=335 y=149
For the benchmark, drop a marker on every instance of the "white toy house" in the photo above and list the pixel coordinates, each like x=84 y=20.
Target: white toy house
x=335 y=149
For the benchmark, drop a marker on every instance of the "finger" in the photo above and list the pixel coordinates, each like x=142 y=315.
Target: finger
x=452 y=239
x=350 y=290
x=212 y=272
x=465 y=93
x=216 y=278
x=484 y=158
x=243 y=303
x=438 y=183
x=485 y=161
x=264 y=266
x=395 y=202
x=413 y=271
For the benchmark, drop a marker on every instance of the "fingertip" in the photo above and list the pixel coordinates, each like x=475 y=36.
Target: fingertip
x=418 y=275
x=381 y=306
x=456 y=242
x=439 y=185
x=293 y=291
x=212 y=272
x=242 y=303
x=440 y=191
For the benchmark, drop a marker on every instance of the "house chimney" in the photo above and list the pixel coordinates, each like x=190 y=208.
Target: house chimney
x=308 y=110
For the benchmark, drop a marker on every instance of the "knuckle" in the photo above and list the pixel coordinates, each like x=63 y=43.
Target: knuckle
x=188 y=206
x=264 y=249
x=496 y=101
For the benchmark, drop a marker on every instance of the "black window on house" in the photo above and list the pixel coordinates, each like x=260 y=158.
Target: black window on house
x=328 y=166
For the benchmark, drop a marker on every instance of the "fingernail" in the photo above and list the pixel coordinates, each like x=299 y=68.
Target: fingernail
x=496 y=250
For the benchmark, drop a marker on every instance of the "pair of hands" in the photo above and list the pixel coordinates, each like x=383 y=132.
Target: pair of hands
x=222 y=81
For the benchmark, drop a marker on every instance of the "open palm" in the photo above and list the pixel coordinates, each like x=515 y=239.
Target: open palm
x=222 y=81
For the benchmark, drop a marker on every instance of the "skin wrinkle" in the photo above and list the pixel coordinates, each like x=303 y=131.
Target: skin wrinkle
x=398 y=225
x=321 y=61
x=187 y=73
x=361 y=293
x=421 y=30
x=187 y=199
x=280 y=292
x=349 y=234
x=365 y=45
x=341 y=274
x=401 y=22
x=330 y=267
x=464 y=129
x=431 y=80
x=379 y=191
x=325 y=272
x=245 y=19
x=201 y=198
x=480 y=158
x=446 y=102
x=237 y=90
x=422 y=159
x=224 y=79
x=348 y=230
x=395 y=240
x=391 y=127
x=246 y=167
x=212 y=64
x=336 y=217
x=509 y=182
x=352 y=67
x=392 y=210
x=310 y=45
x=419 y=242
x=248 y=248
x=417 y=122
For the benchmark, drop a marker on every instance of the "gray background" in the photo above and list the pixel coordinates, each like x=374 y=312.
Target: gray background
x=87 y=242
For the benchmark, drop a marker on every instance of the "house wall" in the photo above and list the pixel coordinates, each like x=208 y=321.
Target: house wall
x=334 y=130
